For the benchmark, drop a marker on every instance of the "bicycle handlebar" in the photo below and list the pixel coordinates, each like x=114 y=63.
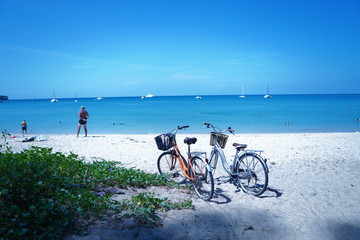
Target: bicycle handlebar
x=231 y=130
x=174 y=131
x=216 y=129
x=207 y=124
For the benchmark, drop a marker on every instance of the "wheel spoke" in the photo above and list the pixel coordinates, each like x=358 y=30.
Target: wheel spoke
x=203 y=181
x=252 y=174
x=169 y=168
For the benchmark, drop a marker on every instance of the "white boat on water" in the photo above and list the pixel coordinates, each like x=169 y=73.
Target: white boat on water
x=149 y=95
x=242 y=92
x=99 y=98
x=198 y=96
x=54 y=99
x=268 y=94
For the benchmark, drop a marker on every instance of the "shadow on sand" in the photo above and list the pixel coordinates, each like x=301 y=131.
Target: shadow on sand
x=345 y=231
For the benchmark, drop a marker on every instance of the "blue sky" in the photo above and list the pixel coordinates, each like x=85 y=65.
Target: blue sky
x=178 y=47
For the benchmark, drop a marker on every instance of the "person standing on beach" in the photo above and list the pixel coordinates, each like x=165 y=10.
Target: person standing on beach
x=24 y=127
x=83 y=117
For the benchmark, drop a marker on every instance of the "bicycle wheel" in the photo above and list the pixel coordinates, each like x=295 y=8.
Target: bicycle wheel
x=169 y=168
x=204 y=181
x=252 y=174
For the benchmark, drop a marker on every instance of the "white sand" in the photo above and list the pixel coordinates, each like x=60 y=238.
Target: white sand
x=314 y=188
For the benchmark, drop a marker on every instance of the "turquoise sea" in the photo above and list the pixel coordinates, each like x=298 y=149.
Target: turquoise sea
x=253 y=114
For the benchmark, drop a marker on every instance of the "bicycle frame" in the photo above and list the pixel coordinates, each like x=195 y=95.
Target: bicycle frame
x=217 y=150
x=230 y=168
x=220 y=153
x=195 y=168
x=248 y=170
x=186 y=167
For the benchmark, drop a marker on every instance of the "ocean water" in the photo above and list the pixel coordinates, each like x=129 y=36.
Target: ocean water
x=253 y=114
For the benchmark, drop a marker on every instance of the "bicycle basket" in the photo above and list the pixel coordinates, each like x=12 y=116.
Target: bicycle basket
x=165 y=141
x=220 y=138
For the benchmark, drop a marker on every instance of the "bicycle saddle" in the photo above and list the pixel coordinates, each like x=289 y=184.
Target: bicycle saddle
x=189 y=141
x=239 y=146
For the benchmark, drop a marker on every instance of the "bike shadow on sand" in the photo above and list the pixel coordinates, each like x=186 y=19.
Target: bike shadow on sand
x=220 y=194
x=269 y=193
x=220 y=197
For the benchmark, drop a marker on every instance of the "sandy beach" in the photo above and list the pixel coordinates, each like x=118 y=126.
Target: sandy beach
x=313 y=193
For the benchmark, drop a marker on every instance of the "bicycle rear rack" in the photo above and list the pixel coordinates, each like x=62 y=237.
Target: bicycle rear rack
x=254 y=151
x=197 y=154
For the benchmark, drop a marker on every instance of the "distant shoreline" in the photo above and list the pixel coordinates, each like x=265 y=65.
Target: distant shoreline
x=133 y=115
x=211 y=95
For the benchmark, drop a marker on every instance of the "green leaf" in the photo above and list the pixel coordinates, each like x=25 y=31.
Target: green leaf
x=5 y=191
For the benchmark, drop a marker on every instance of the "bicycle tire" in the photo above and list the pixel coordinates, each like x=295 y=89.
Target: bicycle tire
x=204 y=182
x=252 y=174
x=169 y=172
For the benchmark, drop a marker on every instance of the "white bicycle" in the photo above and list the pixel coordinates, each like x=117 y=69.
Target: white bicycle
x=249 y=169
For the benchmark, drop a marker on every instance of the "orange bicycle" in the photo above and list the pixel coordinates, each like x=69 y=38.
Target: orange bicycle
x=173 y=166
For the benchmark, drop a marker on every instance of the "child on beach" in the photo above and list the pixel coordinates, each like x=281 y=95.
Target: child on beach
x=23 y=127
x=83 y=117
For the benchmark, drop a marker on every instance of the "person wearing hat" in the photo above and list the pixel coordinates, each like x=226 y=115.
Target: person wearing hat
x=24 y=127
x=83 y=117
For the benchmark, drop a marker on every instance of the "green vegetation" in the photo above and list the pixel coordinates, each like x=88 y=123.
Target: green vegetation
x=43 y=194
x=145 y=205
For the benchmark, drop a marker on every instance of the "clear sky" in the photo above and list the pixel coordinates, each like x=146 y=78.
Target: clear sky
x=178 y=47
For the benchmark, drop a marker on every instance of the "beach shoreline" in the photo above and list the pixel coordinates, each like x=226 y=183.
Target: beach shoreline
x=251 y=115
x=313 y=186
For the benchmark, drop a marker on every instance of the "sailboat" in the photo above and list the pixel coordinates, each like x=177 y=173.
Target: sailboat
x=76 y=99
x=54 y=99
x=34 y=100
x=242 y=91
x=198 y=96
x=268 y=94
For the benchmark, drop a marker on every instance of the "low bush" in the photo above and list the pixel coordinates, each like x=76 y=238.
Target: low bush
x=44 y=194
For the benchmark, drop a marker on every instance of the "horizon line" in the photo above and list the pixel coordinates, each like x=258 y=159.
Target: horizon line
x=192 y=95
